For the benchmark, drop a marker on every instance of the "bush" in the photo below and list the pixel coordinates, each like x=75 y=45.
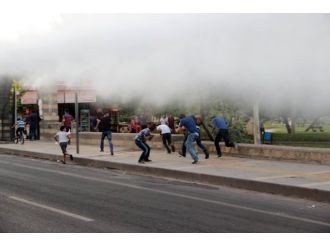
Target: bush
x=301 y=137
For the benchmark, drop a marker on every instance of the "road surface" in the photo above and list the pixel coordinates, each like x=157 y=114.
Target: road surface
x=45 y=196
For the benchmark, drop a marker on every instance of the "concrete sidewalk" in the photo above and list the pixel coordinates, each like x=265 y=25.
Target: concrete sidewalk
x=303 y=180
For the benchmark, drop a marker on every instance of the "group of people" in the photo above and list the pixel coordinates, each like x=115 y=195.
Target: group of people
x=137 y=123
x=28 y=125
x=103 y=124
x=189 y=125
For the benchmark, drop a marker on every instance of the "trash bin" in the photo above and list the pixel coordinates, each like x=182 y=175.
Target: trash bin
x=268 y=138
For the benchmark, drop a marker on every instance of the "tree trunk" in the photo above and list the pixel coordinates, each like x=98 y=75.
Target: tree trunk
x=287 y=125
x=208 y=132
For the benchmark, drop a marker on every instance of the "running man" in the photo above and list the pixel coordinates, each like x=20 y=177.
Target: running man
x=189 y=123
x=199 y=143
x=221 y=124
x=165 y=132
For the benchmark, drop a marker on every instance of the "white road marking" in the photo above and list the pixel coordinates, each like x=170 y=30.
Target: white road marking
x=277 y=214
x=79 y=217
x=315 y=184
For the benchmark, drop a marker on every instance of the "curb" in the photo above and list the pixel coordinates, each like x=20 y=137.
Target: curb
x=259 y=186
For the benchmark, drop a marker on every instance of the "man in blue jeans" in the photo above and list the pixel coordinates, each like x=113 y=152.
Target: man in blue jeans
x=105 y=127
x=199 y=143
x=141 y=141
x=189 y=124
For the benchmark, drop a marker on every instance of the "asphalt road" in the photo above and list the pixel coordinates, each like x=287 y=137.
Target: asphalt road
x=44 y=196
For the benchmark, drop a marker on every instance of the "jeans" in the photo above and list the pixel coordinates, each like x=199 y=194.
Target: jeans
x=198 y=142
x=109 y=136
x=192 y=137
x=145 y=148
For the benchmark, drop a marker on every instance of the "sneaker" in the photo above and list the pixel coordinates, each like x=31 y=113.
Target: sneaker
x=181 y=154
x=141 y=162
x=63 y=162
x=219 y=155
x=173 y=149
x=207 y=155
x=101 y=150
x=147 y=160
x=194 y=162
x=71 y=157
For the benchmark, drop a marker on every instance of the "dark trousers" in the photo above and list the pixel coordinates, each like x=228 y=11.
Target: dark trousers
x=198 y=142
x=167 y=141
x=20 y=131
x=145 y=150
x=33 y=133
x=222 y=134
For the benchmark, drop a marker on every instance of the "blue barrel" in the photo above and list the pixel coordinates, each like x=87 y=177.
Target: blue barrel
x=268 y=137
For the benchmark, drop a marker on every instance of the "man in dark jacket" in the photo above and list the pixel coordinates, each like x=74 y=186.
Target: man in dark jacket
x=104 y=126
x=33 y=121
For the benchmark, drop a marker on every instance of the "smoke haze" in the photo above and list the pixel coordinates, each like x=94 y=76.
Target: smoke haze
x=280 y=60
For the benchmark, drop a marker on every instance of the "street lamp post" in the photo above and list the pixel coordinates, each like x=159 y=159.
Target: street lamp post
x=15 y=105
x=77 y=120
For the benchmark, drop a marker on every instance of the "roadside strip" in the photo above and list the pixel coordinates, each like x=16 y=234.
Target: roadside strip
x=193 y=177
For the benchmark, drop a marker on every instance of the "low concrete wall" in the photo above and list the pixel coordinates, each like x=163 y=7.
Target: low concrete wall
x=118 y=139
x=299 y=154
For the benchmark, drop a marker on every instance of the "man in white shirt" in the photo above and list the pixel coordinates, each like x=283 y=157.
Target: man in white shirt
x=163 y=120
x=165 y=132
x=63 y=137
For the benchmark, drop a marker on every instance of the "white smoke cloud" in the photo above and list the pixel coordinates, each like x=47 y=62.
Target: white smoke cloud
x=282 y=59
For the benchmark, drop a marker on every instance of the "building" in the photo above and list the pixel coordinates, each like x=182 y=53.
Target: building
x=53 y=101
x=6 y=107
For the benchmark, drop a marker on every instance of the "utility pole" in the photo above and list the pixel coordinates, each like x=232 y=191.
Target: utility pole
x=77 y=120
x=256 y=124
x=15 y=104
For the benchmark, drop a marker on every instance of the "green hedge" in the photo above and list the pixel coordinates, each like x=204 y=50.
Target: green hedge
x=279 y=138
x=301 y=137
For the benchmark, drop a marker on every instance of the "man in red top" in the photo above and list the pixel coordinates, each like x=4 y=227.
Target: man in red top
x=133 y=125
x=67 y=121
